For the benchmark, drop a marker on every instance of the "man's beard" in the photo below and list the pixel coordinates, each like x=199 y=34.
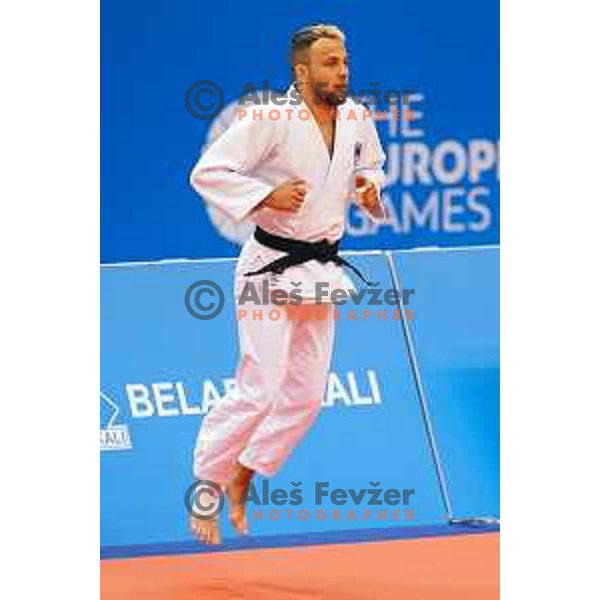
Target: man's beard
x=331 y=97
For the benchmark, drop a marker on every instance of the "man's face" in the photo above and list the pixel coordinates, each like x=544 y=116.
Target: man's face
x=328 y=71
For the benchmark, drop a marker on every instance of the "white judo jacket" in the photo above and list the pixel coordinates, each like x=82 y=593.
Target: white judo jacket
x=276 y=142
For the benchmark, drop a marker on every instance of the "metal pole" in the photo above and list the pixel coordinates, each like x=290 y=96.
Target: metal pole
x=414 y=365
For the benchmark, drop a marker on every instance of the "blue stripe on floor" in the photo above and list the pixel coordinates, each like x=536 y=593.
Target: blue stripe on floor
x=300 y=539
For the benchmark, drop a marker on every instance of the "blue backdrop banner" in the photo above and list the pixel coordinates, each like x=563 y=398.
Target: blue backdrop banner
x=163 y=369
x=457 y=339
x=442 y=163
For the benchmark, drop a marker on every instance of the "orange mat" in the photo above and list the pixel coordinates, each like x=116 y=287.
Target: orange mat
x=461 y=567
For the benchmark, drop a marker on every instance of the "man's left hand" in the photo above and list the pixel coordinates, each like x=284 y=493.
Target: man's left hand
x=368 y=196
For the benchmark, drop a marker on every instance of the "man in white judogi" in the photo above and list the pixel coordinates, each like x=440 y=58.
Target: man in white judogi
x=292 y=169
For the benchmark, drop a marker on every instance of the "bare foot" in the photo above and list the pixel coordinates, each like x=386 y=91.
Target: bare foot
x=235 y=494
x=204 y=515
x=207 y=531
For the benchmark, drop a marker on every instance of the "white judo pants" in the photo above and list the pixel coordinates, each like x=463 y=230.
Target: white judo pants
x=281 y=379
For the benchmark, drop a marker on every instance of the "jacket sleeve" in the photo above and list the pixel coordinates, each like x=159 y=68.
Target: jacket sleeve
x=223 y=175
x=370 y=161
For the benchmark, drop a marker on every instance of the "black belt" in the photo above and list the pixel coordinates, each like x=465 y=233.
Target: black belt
x=299 y=252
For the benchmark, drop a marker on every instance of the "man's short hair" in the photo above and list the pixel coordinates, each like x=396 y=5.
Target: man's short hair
x=305 y=37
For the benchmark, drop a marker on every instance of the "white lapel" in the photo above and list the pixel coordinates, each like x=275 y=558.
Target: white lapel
x=343 y=132
x=311 y=142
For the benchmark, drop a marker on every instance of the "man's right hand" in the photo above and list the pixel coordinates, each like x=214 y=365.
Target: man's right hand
x=287 y=197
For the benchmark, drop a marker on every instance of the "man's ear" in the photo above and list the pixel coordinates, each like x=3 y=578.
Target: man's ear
x=301 y=71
